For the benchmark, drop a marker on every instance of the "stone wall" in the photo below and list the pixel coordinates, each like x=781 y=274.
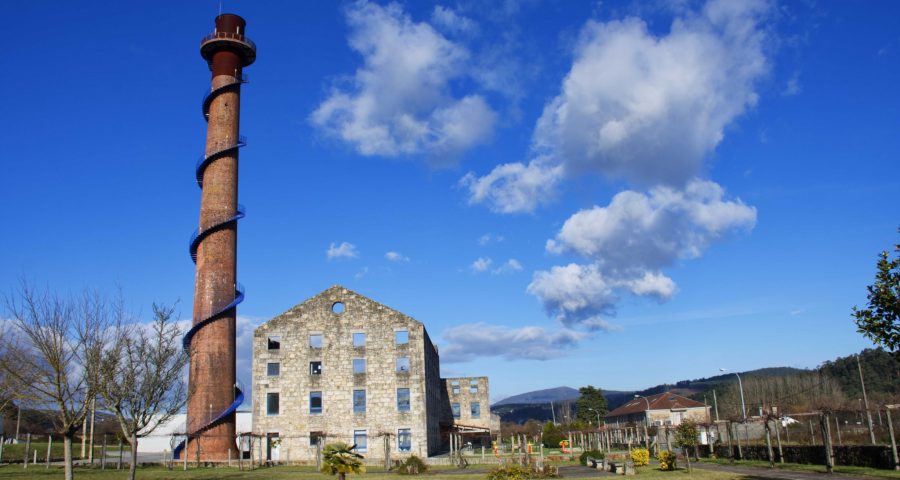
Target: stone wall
x=466 y=392
x=294 y=422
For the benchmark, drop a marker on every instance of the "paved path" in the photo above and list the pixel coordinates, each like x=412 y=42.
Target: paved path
x=776 y=473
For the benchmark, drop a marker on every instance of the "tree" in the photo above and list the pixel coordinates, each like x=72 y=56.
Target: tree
x=141 y=377
x=590 y=404
x=686 y=436
x=881 y=320
x=57 y=343
x=339 y=458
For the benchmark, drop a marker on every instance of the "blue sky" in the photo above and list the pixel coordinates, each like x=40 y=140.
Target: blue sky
x=563 y=192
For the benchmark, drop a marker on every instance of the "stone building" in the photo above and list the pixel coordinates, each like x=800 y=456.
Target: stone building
x=342 y=367
x=662 y=409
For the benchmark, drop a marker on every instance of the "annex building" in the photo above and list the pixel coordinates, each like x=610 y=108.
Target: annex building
x=342 y=367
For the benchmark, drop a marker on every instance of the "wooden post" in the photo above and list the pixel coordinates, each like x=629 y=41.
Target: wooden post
x=103 y=454
x=27 y=447
x=184 y=453
x=769 y=445
x=91 y=435
x=778 y=439
x=2 y=439
x=49 y=446
x=738 y=437
x=893 y=440
x=837 y=427
x=829 y=451
x=812 y=434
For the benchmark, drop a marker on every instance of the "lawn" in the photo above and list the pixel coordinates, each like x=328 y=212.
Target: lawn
x=800 y=467
x=14 y=453
x=309 y=473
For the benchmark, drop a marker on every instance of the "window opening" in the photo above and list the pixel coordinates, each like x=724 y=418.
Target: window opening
x=315 y=367
x=315 y=402
x=272 y=406
x=359 y=366
x=315 y=340
x=273 y=369
x=359 y=401
x=402 y=399
x=403 y=364
x=401 y=337
x=274 y=342
x=359 y=340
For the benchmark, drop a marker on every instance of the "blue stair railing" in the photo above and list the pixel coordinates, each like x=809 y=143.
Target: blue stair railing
x=196 y=239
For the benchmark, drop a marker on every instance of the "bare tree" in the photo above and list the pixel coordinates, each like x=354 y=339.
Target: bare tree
x=141 y=377
x=56 y=343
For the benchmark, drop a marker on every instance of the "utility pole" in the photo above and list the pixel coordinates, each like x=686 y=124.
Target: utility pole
x=716 y=405
x=862 y=383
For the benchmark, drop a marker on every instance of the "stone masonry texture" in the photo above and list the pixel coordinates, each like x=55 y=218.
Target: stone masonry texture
x=333 y=317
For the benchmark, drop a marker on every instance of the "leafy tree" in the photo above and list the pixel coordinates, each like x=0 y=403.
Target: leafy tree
x=339 y=458
x=141 y=377
x=552 y=435
x=880 y=322
x=590 y=404
x=686 y=437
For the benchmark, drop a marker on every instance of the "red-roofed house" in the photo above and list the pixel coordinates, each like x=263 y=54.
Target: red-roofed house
x=662 y=409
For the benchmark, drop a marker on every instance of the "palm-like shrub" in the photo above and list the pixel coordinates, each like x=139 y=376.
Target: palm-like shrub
x=340 y=459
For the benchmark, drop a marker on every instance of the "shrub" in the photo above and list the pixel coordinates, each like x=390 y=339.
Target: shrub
x=640 y=456
x=666 y=460
x=510 y=472
x=412 y=466
x=519 y=472
x=590 y=454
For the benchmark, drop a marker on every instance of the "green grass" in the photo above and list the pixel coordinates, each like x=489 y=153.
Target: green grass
x=801 y=467
x=307 y=473
x=14 y=453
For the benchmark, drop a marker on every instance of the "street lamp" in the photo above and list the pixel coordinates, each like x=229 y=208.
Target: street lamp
x=646 y=421
x=741 y=387
x=598 y=416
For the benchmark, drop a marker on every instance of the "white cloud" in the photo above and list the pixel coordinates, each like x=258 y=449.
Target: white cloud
x=511 y=266
x=650 y=109
x=489 y=238
x=629 y=242
x=514 y=187
x=400 y=102
x=396 y=257
x=482 y=264
x=468 y=342
x=449 y=21
x=650 y=231
x=646 y=108
x=344 y=250
x=793 y=86
x=362 y=273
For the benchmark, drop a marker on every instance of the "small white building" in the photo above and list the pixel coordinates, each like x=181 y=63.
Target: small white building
x=169 y=434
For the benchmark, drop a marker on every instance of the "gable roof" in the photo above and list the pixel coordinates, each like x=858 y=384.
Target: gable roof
x=660 y=401
x=335 y=293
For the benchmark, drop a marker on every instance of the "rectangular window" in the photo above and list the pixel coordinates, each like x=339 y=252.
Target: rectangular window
x=404 y=440
x=455 y=408
x=401 y=337
x=315 y=402
x=272 y=404
x=359 y=339
x=273 y=369
x=359 y=365
x=455 y=390
x=315 y=340
x=455 y=383
x=402 y=399
x=403 y=364
x=475 y=410
x=473 y=386
x=360 y=440
x=316 y=437
x=315 y=368
x=274 y=343
x=359 y=401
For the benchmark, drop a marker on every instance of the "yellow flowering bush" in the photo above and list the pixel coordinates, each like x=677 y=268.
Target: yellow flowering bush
x=640 y=456
x=666 y=460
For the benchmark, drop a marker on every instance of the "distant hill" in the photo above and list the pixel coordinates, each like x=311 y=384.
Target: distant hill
x=536 y=405
x=541 y=396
